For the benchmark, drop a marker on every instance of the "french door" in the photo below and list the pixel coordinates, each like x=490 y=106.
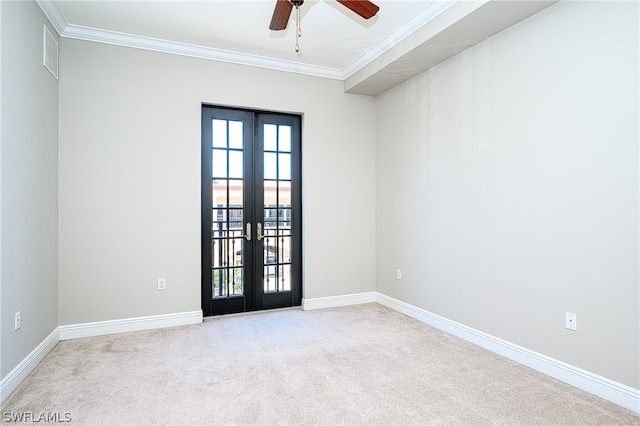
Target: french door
x=251 y=210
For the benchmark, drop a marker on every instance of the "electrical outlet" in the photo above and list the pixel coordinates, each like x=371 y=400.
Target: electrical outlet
x=571 y=321
x=162 y=284
x=17 y=321
x=398 y=274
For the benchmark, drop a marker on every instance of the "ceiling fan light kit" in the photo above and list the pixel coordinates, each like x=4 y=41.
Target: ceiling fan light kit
x=282 y=12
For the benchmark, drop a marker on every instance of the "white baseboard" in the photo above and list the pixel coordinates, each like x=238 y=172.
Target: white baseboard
x=10 y=382
x=74 y=331
x=100 y=328
x=336 y=301
x=602 y=387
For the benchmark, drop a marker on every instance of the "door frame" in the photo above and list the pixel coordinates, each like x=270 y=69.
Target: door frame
x=256 y=299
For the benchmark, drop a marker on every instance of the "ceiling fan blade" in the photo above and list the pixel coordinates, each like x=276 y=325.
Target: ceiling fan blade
x=281 y=15
x=364 y=8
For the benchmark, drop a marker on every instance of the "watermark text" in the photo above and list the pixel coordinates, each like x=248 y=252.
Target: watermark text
x=36 y=417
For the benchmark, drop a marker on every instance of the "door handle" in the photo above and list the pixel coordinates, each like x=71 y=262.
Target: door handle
x=260 y=234
x=248 y=234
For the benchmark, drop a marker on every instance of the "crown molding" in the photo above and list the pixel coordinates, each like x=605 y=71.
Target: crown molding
x=78 y=32
x=425 y=15
x=184 y=49
x=54 y=15
x=64 y=29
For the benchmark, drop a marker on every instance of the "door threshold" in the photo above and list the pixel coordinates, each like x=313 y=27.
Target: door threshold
x=262 y=311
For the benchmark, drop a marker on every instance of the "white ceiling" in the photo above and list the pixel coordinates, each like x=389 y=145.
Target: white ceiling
x=335 y=43
x=332 y=35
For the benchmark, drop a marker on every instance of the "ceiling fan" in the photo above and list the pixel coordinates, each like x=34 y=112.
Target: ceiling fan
x=283 y=8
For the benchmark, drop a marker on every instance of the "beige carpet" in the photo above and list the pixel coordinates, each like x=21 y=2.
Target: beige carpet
x=356 y=365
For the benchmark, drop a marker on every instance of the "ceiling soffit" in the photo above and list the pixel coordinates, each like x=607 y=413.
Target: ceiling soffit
x=460 y=27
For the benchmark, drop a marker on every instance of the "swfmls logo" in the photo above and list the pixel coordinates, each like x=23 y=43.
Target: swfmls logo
x=30 y=416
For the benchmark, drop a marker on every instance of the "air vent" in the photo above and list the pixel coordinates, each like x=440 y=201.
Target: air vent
x=50 y=53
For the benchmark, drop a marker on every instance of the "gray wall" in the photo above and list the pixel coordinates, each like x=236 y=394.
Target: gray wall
x=503 y=182
x=130 y=177
x=507 y=187
x=29 y=185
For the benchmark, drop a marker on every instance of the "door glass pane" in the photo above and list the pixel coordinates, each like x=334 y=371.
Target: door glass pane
x=284 y=194
x=270 y=137
x=235 y=164
x=284 y=250
x=236 y=287
x=270 y=187
x=284 y=139
x=236 y=223
x=235 y=134
x=284 y=221
x=216 y=259
x=219 y=189
x=270 y=279
x=270 y=252
x=270 y=219
x=236 y=193
x=270 y=165
x=219 y=223
x=219 y=133
x=220 y=282
x=285 y=278
x=219 y=163
x=284 y=166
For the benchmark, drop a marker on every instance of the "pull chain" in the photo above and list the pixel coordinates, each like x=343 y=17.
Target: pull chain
x=298 y=30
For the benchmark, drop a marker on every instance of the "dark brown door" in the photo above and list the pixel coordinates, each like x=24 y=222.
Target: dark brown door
x=251 y=210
